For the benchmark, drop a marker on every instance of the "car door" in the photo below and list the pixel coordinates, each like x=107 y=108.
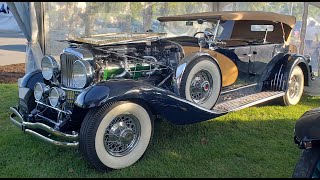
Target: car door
x=261 y=55
x=243 y=62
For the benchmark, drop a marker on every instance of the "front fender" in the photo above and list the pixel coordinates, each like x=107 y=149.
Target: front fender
x=307 y=127
x=30 y=79
x=165 y=103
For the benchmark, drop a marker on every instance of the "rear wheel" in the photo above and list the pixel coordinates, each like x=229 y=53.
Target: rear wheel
x=295 y=87
x=115 y=136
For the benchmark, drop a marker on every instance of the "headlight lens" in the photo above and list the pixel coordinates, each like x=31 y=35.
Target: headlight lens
x=49 y=65
x=38 y=91
x=56 y=96
x=82 y=73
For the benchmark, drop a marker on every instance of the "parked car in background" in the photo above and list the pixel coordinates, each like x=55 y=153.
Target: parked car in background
x=307 y=137
x=106 y=91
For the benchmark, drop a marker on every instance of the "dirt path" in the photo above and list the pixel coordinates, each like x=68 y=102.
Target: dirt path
x=11 y=73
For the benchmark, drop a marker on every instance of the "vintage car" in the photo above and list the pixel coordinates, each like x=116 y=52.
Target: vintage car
x=106 y=91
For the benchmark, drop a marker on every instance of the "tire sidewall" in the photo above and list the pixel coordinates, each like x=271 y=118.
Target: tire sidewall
x=145 y=135
x=293 y=101
x=213 y=69
x=306 y=163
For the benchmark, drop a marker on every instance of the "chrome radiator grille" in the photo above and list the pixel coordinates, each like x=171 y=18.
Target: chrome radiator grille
x=70 y=98
x=66 y=62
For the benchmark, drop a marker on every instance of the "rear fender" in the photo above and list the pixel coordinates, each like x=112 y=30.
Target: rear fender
x=301 y=61
x=277 y=72
x=162 y=102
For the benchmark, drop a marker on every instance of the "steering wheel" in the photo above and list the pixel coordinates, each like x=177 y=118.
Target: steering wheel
x=197 y=33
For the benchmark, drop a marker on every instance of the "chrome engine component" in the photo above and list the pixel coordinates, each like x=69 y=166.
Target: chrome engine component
x=84 y=65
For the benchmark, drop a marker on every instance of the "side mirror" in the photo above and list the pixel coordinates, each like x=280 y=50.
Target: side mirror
x=208 y=32
x=202 y=42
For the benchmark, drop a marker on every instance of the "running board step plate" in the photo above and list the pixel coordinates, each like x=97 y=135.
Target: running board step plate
x=247 y=101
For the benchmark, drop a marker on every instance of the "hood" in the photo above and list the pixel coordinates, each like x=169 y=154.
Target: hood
x=117 y=38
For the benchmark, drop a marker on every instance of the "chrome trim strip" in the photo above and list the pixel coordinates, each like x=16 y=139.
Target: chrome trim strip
x=197 y=106
x=71 y=89
x=84 y=54
x=178 y=76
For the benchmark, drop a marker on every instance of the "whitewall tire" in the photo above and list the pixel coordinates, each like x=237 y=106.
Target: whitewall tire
x=116 y=136
x=295 y=87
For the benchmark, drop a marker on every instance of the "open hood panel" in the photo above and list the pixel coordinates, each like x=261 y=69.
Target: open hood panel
x=117 y=38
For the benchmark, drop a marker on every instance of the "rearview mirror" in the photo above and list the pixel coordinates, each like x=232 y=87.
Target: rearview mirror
x=261 y=27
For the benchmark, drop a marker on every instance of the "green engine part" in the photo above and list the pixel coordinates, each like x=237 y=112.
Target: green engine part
x=115 y=71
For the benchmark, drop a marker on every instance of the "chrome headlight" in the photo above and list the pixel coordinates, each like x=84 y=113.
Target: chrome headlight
x=56 y=96
x=39 y=90
x=82 y=73
x=49 y=66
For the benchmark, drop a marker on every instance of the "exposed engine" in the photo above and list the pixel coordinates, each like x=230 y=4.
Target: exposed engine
x=152 y=62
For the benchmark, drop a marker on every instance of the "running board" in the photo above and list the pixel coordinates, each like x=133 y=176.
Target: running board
x=247 y=101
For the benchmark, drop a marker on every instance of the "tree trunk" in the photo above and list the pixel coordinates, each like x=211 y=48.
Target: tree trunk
x=215 y=6
x=147 y=15
x=234 y=6
x=70 y=8
x=303 y=27
x=128 y=17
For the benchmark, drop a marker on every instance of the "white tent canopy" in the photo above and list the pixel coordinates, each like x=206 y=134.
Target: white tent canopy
x=26 y=17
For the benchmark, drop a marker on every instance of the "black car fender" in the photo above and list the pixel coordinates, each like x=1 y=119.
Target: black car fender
x=184 y=63
x=162 y=102
x=277 y=72
x=30 y=79
x=26 y=86
x=307 y=129
x=301 y=61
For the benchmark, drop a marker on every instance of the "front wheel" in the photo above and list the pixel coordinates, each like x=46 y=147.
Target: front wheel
x=115 y=136
x=295 y=87
x=308 y=165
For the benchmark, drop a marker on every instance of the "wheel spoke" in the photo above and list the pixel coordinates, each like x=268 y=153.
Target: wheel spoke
x=201 y=86
x=122 y=135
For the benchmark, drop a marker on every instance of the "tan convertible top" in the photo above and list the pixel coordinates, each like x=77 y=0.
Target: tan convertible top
x=234 y=15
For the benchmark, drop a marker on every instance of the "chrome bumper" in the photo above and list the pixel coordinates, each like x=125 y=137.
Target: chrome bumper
x=28 y=126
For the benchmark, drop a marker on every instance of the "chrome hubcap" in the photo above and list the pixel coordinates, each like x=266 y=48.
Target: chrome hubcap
x=122 y=135
x=200 y=87
x=294 y=86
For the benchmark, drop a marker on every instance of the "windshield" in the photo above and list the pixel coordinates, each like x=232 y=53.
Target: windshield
x=190 y=28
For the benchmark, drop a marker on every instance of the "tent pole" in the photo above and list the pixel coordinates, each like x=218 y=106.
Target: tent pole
x=303 y=27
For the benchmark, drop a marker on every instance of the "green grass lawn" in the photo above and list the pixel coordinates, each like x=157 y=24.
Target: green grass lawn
x=254 y=142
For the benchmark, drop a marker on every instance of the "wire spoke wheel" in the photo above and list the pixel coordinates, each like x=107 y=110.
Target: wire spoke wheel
x=116 y=135
x=122 y=135
x=201 y=86
x=201 y=82
x=294 y=86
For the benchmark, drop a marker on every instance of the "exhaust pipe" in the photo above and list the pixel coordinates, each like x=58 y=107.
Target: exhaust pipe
x=27 y=126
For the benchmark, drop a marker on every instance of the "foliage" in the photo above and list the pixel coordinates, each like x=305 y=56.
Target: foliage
x=253 y=142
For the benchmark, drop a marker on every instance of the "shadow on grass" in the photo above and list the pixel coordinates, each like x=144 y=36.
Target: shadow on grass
x=254 y=142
